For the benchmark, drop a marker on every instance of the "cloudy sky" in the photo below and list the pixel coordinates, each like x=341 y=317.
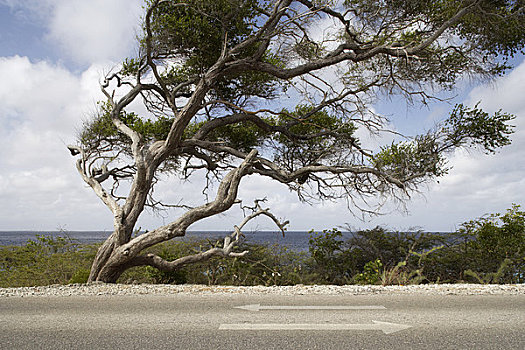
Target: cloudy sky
x=52 y=55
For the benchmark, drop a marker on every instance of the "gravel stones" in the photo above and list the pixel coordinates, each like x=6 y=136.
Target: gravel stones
x=104 y=289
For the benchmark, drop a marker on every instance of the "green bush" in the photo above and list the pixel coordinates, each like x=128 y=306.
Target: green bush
x=264 y=265
x=490 y=248
x=43 y=261
x=371 y=273
x=330 y=263
x=486 y=250
x=79 y=276
x=497 y=246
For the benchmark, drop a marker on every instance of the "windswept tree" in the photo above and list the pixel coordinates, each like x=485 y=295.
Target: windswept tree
x=278 y=89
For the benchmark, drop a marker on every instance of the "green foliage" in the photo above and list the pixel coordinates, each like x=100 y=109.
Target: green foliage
x=169 y=251
x=43 y=261
x=242 y=136
x=241 y=87
x=308 y=50
x=409 y=271
x=371 y=273
x=80 y=276
x=498 y=241
x=490 y=277
x=477 y=127
x=196 y=28
x=130 y=66
x=400 y=275
x=196 y=31
x=490 y=248
x=315 y=136
x=323 y=246
x=410 y=159
x=265 y=265
x=402 y=256
x=424 y=155
x=326 y=250
x=493 y=28
x=101 y=129
x=390 y=247
x=497 y=26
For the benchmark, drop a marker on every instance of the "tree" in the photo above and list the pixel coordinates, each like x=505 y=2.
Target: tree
x=278 y=89
x=497 y=240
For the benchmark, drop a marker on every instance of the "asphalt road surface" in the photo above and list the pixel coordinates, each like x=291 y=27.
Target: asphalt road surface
x=263 y=322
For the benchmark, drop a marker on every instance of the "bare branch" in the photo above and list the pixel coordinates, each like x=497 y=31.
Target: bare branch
x=227 y=250
x=93 y=183
x=226 y=196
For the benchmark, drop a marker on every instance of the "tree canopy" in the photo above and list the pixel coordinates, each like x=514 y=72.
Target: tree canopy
x=279 y=89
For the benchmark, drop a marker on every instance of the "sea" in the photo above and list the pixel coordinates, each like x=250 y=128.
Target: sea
x=294 y=240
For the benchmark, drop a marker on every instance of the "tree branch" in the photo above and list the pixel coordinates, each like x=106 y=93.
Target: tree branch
x=226 y=196
x=229 y=243
x=271 y=169
x=101 y=193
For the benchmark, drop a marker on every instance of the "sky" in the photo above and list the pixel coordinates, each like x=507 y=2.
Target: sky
x=53 y=54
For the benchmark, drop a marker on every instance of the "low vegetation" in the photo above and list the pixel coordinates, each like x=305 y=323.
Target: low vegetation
x=486 y=250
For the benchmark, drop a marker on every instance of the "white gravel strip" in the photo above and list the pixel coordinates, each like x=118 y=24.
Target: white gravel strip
x=161 y=289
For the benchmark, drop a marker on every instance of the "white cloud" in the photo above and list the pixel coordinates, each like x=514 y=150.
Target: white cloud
x=27 y=86
x=104 y=29
x=42 y=106
x=86 y=31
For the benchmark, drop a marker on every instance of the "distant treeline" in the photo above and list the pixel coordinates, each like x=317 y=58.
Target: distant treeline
x=486 y=250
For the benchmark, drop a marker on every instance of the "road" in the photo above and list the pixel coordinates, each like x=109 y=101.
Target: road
x=263 y=322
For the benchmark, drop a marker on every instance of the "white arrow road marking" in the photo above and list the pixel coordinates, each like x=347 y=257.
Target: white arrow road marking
x=258 y=307
x=385 y=327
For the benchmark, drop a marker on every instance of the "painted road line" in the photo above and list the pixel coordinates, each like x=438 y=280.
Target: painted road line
x=385 y=327
x=259 y=307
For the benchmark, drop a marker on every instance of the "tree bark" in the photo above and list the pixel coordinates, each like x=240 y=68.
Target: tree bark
x=102 y=257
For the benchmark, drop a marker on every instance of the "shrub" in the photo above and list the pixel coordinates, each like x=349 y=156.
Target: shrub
x=329 y=261
x=490 y=249
x=371 y=273
x=79 y=276
x=43 y=261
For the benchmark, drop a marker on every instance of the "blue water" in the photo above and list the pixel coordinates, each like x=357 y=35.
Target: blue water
x=296 y=240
